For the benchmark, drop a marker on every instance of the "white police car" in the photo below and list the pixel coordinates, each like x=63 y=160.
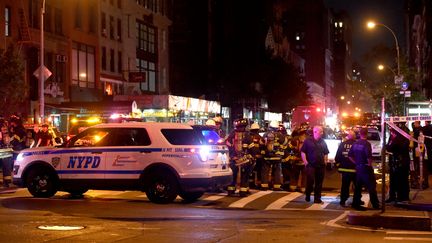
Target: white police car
x=162 y=159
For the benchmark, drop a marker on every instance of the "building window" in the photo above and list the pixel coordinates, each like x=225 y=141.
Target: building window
x=7 y=21
x=119 y=5
x=112 y=58
x=83 y=65
x=103 y=61
x=48 y=18
x=78 y=15
x=111 y=26
x=58 y=25
x=103 y=24
x=112 y=2
x=146 y=37
x=34 y=13
x=119 y=62
x=119 y=30
x=149 y=68
x=92 y=17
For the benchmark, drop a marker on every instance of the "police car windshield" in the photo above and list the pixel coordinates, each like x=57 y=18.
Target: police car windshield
x=183 y=136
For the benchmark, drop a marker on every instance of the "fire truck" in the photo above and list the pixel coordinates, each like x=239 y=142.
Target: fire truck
x=311 y=114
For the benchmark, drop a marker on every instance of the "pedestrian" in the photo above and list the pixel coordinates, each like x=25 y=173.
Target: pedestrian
x=361 y=154
x=346 y=167
x=398 y=147
x=314 y=154
x=44 y=137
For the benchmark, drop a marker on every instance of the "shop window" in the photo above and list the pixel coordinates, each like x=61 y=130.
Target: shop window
x=109 y=89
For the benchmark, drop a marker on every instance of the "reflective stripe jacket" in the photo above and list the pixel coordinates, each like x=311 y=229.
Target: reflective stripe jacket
x=343 y=163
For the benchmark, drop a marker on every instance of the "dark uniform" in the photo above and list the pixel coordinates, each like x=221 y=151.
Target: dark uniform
x=6 y=155
x=256 y=150
x=315 y=151
x=297 y=172
x=399 y=161
x=347 y=168
x=275 y=144
x=237 y=143
x=361 y=153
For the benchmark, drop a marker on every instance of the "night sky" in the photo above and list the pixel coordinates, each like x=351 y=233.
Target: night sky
x=388 y=12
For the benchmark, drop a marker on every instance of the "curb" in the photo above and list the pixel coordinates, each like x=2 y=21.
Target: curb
x=418 y=223
x=415 y=206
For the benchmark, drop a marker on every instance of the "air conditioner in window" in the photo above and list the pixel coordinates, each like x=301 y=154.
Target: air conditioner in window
x=61 y=58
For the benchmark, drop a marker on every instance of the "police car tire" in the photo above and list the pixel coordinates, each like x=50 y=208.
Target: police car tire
x=191 y=196
x=162 y=187
x=41 y=182
x=77 y=192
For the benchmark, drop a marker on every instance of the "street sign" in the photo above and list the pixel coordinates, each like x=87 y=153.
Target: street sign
x=45 y=72
x=407 y=93
x=404 y=86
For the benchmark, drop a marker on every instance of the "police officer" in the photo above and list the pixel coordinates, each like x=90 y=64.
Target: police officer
x=345 y=166
x=361 y=154
x=256 y=150
x=399 y=160
x=314 y=153
x=237 y=145
x=275 y=143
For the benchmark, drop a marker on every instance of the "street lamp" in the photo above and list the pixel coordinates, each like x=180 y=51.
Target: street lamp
x=381 y=67
x=372 y=25
x=41 y=71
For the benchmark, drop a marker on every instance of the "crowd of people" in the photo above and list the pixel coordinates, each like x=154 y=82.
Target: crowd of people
x=14 y=138
x=297 y=162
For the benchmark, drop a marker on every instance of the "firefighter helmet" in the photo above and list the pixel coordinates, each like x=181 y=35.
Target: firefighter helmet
x=210 y=122
x=218 y=119
x=255 y=126
x=15 y=119
x=240 y=123
x=274 y=125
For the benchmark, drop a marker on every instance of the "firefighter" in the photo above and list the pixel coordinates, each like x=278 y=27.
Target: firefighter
x=5 y=154
x=256 y=150
x=297 y=172
x=275 y=143
x=17 y=142
x=239 y=159
x=345 y=166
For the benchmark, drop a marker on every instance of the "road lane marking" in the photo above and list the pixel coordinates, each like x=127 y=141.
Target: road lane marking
x=408 y=239
x=242 y=202
x=403 y=232
x=278 y=204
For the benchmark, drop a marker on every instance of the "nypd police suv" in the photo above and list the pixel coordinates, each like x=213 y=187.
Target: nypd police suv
x=162 y=159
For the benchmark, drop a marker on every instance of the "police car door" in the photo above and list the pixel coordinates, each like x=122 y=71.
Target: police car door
x=124 y=161
x=84 y=157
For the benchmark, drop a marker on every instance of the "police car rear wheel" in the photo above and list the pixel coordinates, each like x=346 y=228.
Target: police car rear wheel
x=162 y=188
x=41 y=183
x=191 y=196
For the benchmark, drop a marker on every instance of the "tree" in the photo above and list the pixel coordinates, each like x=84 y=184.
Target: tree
x=13 y=89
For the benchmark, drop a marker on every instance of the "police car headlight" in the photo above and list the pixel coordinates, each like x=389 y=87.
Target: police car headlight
x=204 y=154
x=20 y=157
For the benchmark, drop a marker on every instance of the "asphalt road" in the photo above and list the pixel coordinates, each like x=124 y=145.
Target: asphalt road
x=128 y=216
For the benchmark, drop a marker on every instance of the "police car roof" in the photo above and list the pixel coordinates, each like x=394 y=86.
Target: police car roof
x=159 y=125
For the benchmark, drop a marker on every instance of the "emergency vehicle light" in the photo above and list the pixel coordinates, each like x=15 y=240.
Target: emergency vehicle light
x=203 y=153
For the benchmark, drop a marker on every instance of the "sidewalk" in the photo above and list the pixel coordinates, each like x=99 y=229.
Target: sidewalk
x=413 y=215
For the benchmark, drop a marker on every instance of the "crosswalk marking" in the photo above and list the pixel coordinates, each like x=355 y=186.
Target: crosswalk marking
x=318 y=206
x=242 y=202
x=278 y=204
x=207 y=200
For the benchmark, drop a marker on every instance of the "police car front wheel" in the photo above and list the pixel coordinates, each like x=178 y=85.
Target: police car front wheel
x=162 y=187
x=41 y=182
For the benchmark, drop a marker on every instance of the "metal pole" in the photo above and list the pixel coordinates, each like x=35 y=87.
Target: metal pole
x=397 y=46
x=41 y=75
x=383 y=156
